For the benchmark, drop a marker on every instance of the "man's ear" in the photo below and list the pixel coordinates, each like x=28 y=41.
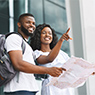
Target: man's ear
x=19 y=24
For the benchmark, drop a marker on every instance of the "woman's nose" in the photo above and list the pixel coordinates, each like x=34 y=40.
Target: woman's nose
x=47 y=34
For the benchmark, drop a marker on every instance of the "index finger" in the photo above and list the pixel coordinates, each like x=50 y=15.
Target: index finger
x=64 y=69
x=67 y=31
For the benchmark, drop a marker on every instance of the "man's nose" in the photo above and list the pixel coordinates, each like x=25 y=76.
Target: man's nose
x=32 y=25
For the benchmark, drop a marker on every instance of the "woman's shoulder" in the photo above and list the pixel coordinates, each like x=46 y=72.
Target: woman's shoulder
x=38 y=51
x=41 y=52
x=64 y=54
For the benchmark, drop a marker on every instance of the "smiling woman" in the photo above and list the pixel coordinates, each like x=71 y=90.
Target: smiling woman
x=46 y=36
x=46 y=45
x=42 y=29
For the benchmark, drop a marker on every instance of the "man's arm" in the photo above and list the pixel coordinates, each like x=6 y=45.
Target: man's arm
x=21 y=65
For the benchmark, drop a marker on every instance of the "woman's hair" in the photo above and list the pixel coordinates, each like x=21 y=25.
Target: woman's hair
x=35 y=41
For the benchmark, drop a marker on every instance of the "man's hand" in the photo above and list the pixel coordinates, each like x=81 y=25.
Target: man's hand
x=55 y=71
x=65 y=36
x=93 y=73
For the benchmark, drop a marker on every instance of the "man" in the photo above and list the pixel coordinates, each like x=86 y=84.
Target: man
x=24 y=63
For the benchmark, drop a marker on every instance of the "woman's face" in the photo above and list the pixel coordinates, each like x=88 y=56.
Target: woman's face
x=46 y=35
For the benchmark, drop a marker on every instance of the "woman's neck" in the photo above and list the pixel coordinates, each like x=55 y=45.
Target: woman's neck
x=45 y=48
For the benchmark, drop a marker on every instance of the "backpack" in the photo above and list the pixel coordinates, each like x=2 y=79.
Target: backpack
x=7 y=71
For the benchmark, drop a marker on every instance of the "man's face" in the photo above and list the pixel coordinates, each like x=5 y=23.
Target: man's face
x=28 y=25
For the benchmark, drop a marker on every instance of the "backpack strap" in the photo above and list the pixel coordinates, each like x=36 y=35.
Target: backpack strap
x=23 y=44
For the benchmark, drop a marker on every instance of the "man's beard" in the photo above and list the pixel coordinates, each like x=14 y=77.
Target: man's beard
x=25 y=31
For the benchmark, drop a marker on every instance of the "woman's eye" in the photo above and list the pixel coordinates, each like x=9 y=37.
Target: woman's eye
x=43 y=32
x=50 y=33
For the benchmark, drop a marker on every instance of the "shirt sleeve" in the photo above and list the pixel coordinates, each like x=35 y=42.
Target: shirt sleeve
x=65 y=55
x=37 y=53
x=13 y=42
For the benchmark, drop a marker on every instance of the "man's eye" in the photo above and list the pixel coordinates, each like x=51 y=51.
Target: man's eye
x=28 y=22
x=33 y=23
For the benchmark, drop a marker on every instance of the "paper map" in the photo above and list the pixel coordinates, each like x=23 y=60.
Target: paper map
x=77 y=72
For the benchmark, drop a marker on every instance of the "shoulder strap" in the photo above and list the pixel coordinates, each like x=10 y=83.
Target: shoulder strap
x=23 y=44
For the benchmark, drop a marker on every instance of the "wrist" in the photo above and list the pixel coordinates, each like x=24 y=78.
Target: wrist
x=61 y=39
x=47 y=70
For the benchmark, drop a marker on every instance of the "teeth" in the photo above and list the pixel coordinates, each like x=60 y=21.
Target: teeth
x=46 y=38
x=30 y=29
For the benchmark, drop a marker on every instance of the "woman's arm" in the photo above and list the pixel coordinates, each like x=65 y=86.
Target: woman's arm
x=54 y=52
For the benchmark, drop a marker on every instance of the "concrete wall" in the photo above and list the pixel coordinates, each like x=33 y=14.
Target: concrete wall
x=81 y=19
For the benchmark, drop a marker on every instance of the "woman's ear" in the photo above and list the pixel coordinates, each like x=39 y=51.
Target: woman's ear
x=19 y=24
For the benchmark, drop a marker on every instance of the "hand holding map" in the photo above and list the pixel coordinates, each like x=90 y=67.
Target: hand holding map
x=77 y=72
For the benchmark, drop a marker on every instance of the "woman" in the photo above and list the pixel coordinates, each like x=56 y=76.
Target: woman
x=46 y=43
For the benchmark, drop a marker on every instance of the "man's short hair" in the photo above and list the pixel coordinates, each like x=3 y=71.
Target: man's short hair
x=23 y=15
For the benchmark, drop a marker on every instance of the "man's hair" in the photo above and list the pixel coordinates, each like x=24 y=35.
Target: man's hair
x=23 y=15
x=35 y=41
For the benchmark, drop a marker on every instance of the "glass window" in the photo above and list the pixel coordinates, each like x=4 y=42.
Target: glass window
x=60 y=2
x=4 y=16
x=19 y=8
x=36 y=8
x=56 y=16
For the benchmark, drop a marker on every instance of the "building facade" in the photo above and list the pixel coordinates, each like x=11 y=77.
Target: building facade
x=79 y=15
x=52 y=12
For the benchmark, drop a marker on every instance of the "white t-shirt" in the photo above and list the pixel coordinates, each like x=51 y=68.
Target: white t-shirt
x=61 y=58
x=26 y=81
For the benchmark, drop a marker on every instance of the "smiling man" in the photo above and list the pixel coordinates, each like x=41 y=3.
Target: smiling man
x=26 y=25
x=24 y=63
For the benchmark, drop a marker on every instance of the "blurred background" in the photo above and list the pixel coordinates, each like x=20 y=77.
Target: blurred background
x=79 y=15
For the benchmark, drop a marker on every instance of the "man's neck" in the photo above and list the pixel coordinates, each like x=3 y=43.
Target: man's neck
x=23 y=35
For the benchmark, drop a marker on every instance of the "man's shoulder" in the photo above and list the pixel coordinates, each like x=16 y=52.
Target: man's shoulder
x=13 y=36
x=13 y=39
